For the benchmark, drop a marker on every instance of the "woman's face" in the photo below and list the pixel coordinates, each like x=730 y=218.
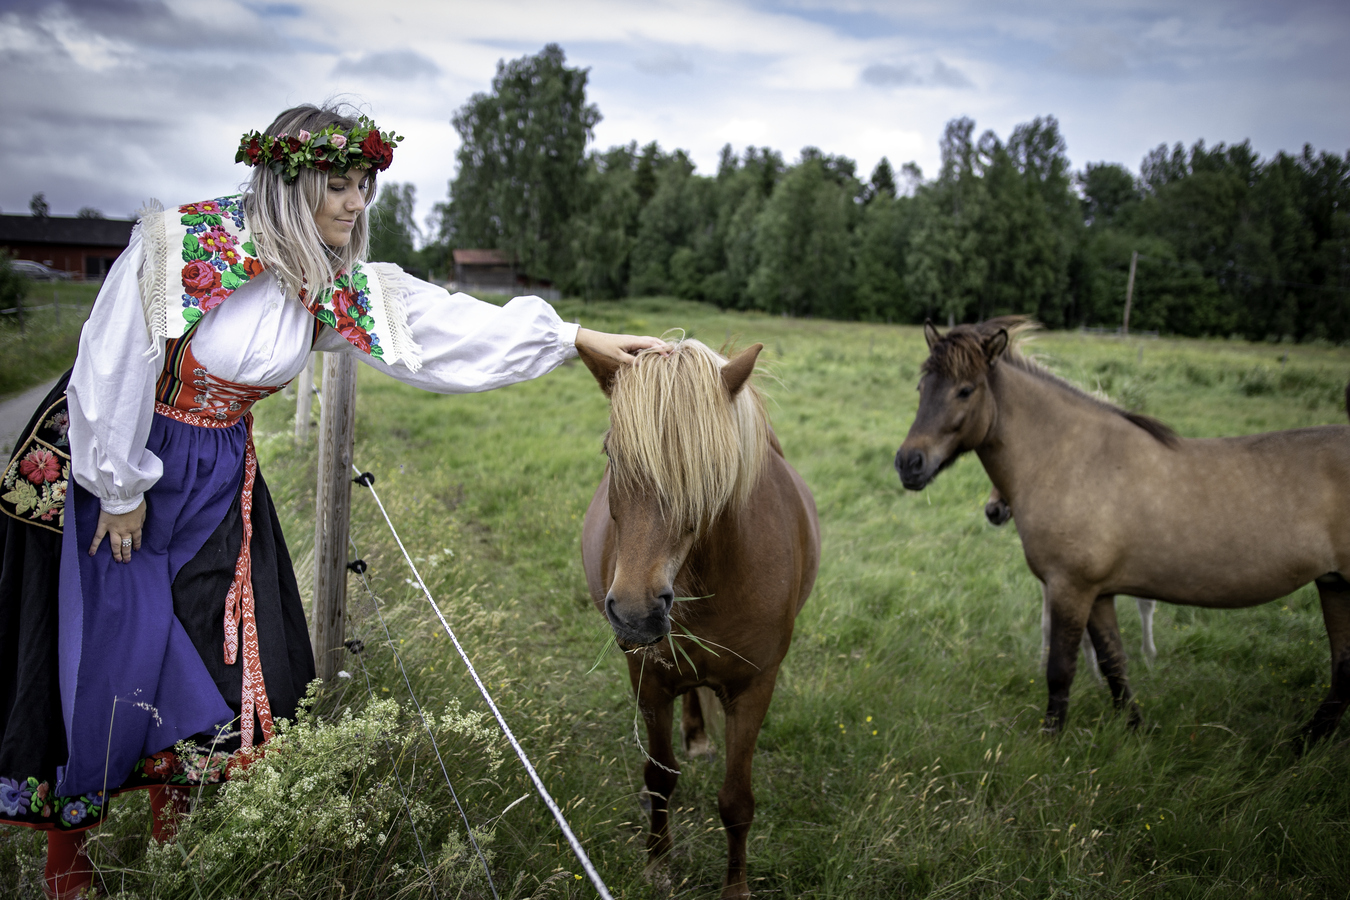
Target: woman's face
x=343 y=199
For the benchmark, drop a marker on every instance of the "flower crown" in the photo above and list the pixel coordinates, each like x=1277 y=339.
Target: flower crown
x=363 y=146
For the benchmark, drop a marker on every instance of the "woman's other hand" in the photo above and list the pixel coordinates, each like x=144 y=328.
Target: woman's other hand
x=618 y=347
x=124 y=532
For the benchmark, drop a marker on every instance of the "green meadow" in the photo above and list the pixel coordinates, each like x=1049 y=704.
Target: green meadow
x=902 y=755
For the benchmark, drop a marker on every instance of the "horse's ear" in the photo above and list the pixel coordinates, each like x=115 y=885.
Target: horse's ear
x=736 y=372
x=995 y=345
x=930 y=334
x=603 y=369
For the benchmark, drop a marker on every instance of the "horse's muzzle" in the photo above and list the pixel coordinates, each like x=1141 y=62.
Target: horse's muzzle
x=648 y=624
x=913 y=468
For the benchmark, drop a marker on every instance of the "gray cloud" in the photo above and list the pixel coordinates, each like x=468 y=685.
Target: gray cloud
x=887 y=76
x=664 y=63
x=396 y=65
x=883 y=75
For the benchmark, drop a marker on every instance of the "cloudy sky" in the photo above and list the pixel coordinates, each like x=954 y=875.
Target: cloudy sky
x=109 y=102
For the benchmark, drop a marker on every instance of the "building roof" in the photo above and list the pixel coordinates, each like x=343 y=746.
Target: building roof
x=482 y=258
x=65 y=230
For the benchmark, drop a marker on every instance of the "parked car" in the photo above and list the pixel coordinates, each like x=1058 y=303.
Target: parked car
x=37 y=271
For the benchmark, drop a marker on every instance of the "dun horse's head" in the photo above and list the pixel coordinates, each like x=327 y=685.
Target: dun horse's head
x=686 y=442
x=956 y=407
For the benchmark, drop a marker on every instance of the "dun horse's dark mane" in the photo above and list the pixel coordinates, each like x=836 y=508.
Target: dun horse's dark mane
x=960 y=355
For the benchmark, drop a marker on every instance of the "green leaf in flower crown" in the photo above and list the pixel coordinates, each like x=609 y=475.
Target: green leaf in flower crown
x=326 y=317
x=192 y=314
x=192 y=249
x=230 y=281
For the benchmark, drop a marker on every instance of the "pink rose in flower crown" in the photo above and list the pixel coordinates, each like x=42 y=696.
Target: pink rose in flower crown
x=304 y=135
x=40 y=466
x=200 y=278
x=338 y=140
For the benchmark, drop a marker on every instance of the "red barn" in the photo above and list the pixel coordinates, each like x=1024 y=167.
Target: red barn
x=85 y=248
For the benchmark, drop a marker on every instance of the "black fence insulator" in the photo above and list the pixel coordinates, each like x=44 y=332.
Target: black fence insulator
x=358 y=566
x=365 y=479
x=356 y=645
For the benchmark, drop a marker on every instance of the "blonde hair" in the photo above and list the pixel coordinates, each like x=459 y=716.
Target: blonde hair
x=281 y=215
x=673 y=431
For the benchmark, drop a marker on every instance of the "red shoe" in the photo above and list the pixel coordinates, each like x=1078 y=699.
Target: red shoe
x=69 y=873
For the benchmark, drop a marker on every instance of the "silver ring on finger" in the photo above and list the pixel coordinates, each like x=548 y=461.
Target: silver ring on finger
x=126 y=542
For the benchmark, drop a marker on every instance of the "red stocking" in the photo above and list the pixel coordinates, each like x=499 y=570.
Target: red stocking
x=68 y=869
x=167 y=805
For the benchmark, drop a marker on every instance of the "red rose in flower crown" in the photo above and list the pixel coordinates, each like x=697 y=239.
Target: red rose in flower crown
x=200 y=278
x=377 y=151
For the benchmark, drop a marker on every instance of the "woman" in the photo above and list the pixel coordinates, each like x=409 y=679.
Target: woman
x=149 y=599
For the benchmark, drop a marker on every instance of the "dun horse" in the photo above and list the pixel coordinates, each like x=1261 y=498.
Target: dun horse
x=699 y=523
x=1110 y=502
x=999 y=513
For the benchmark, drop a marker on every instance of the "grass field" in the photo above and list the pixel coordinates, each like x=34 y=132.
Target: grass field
x=45 y=346
x=902 y=754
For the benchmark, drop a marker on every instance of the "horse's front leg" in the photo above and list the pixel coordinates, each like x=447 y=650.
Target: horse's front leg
x=1104 y=630
x=1334 y=592
x=1069 y=610
x=693 y=725
x=736 y=801
x=661 y=772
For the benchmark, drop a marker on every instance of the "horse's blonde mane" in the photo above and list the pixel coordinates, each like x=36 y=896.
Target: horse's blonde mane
x=673 y=432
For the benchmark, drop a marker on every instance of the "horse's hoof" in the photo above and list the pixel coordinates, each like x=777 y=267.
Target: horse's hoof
x=657 y=874
x=698 y=746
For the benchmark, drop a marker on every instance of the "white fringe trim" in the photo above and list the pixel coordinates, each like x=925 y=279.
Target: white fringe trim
x=398 y=340
x=154 y=275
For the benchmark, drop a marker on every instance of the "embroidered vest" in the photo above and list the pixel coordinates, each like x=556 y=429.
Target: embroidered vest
x=198 y=254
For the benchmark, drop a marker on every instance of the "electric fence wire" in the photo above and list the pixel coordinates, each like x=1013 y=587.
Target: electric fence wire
x=375 y=601
x=575 y=844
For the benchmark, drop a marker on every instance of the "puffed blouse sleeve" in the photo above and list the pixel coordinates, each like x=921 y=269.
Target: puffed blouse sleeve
x=468 y=345
x=111 y=396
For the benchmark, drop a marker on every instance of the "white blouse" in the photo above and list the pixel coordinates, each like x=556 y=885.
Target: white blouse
x=261 y=337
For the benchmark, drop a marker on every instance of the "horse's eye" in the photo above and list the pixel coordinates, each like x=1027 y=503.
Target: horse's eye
x=965 y=391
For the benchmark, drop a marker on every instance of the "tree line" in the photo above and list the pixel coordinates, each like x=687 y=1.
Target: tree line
x=1228 y=243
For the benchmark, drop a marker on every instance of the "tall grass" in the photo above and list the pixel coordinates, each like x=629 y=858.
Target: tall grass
x=43 y=345
x=901 y=756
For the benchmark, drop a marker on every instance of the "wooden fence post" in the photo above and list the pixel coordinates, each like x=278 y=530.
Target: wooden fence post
x=304 y=401
x=332 y=514
x=1129 y=293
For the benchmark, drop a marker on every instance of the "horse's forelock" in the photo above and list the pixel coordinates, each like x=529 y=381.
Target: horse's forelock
x=959 y=355
x=673 y=432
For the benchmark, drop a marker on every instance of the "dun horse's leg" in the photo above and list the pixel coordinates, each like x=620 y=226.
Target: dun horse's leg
x=661 y=772
x=1104 y=630
x=1069 y=609
x=736 y=801
x=1334 y=592
x=695 y=733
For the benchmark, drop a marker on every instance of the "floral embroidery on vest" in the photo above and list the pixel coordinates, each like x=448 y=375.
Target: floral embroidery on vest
x=35 y=481
x=198 y=254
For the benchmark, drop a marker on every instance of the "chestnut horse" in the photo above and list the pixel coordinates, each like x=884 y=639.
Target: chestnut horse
x=698 y=505
x=1112 y=502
